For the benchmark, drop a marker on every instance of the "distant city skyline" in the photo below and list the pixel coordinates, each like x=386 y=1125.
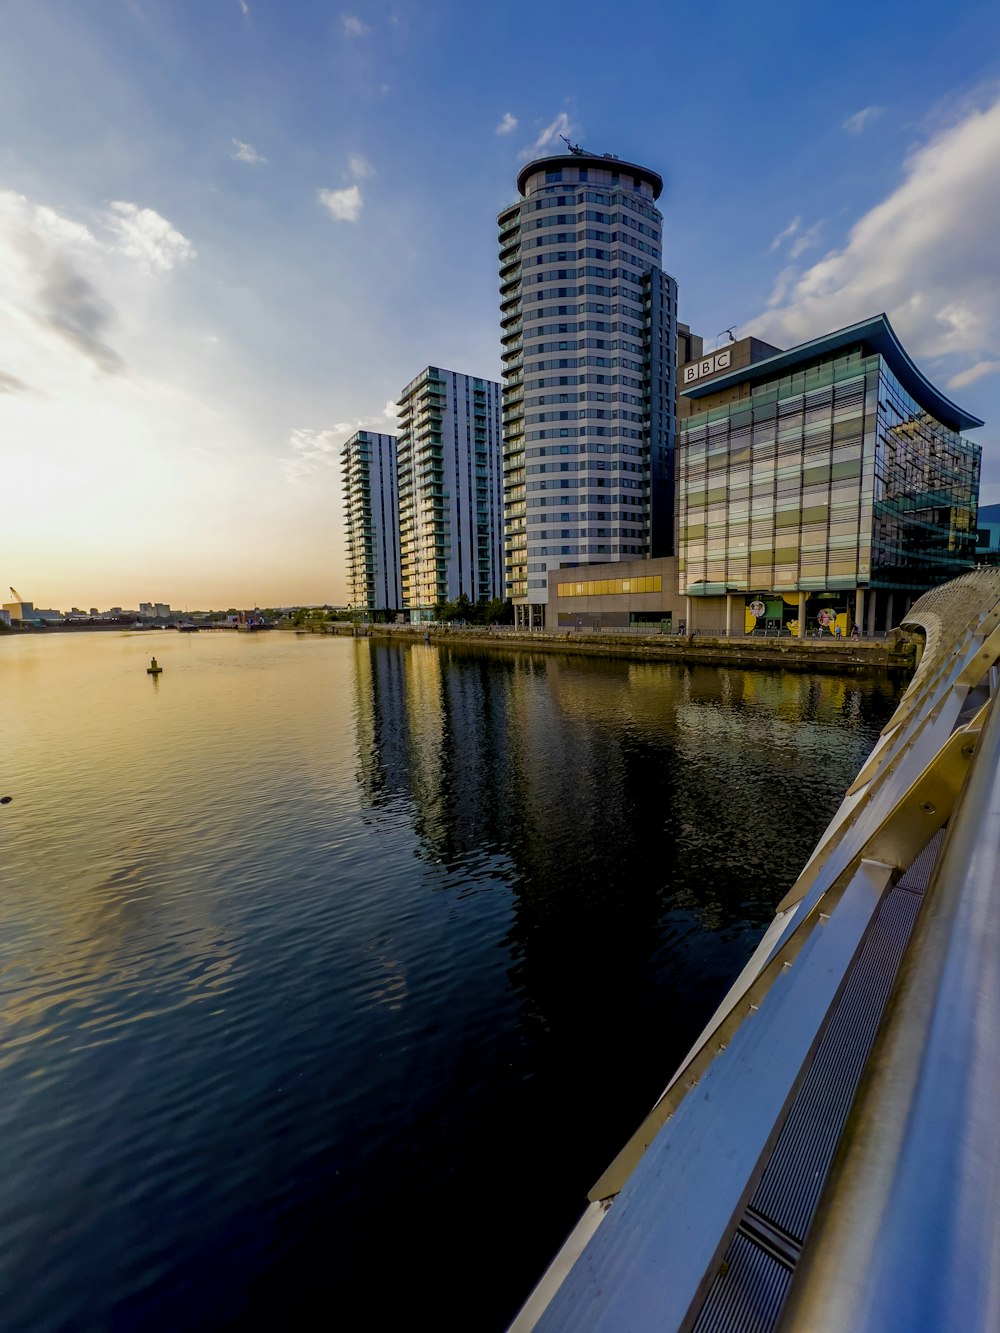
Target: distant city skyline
x=228 y=234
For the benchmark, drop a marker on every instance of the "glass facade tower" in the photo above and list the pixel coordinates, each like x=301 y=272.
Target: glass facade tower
x=371 y=521
x=816 y=474
x=450 y=517
x=589 y=336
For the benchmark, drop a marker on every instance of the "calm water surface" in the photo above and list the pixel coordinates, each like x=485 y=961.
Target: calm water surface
x=334 y=972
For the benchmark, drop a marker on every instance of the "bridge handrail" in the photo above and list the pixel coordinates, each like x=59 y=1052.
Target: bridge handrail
x=908 y=1233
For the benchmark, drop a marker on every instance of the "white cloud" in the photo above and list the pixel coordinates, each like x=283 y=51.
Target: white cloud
x=310 y=451
x=342 y=205
x=51 y=302
x=391 y=411
x=800 y=240
x=926 y=255
x=549 y=137
x=783 y=284
x=142 y=234
x=245 y=7
x=787 y=234
x=353 y=25
x=360 y=167
x=11 y=384
x=508 y=123
x=805 y=240
x=976 y=372
x=245 y=152
x=856 y=124
x=313 y=451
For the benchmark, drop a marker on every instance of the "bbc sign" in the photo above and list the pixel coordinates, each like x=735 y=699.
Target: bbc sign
x=708 y=365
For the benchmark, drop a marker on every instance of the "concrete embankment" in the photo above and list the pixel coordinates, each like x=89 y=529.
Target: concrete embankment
x=897 y=652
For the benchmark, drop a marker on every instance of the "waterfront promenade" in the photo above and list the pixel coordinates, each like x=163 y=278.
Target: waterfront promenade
x=896 y=651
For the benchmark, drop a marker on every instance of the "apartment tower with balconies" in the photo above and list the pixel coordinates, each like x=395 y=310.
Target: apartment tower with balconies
x=450 y=496
x=371 y=522
x=589 y=348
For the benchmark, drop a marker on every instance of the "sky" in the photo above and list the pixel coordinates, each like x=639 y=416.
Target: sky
x=231 y=231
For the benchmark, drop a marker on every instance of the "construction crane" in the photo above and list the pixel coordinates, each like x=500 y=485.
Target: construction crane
x=17 y=595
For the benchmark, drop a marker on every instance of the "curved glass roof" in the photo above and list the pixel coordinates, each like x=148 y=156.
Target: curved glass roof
x=875 y=335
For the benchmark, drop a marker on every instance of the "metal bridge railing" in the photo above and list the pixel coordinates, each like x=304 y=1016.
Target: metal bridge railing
x=908 y=1234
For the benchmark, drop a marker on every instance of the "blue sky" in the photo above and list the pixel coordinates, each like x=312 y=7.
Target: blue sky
x=232 y=230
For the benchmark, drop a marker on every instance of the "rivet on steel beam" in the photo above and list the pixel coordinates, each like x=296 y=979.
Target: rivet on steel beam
x=928 y=807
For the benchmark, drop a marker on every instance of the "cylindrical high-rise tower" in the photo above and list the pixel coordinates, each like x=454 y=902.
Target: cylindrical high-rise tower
x=588 y=326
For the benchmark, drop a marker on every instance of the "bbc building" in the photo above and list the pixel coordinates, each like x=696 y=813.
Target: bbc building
x=827 y=486
x=820 y=488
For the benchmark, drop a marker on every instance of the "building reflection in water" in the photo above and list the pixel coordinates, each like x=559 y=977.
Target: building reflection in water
x=645 y=819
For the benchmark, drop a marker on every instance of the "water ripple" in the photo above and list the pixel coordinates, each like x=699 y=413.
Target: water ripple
x=313 y=936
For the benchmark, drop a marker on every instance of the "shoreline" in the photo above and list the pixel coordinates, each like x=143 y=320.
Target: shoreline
x=897 y=653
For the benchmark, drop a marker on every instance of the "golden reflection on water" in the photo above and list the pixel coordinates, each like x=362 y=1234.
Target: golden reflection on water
x=124 y=788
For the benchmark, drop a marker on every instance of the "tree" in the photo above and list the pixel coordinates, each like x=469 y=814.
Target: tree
x=498 y=612
x=460 y=609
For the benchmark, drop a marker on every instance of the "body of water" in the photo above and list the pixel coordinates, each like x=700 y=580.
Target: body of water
x=333 y=972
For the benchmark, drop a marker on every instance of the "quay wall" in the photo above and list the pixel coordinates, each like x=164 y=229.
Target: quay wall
x=897 y=652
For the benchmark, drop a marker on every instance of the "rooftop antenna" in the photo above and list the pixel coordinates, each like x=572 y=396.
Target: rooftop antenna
x=730 y=333
x=574 y=148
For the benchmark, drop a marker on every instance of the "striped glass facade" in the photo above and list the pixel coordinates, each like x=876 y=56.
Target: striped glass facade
x=830 y=478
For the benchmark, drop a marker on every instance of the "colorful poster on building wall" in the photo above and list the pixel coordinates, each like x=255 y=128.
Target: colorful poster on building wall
x=773 y=614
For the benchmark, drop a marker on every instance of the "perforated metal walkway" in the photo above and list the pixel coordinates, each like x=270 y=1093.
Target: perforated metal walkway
x=749 y=1291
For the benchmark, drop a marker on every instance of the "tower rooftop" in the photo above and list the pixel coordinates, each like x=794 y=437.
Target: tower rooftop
x=605 y=161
